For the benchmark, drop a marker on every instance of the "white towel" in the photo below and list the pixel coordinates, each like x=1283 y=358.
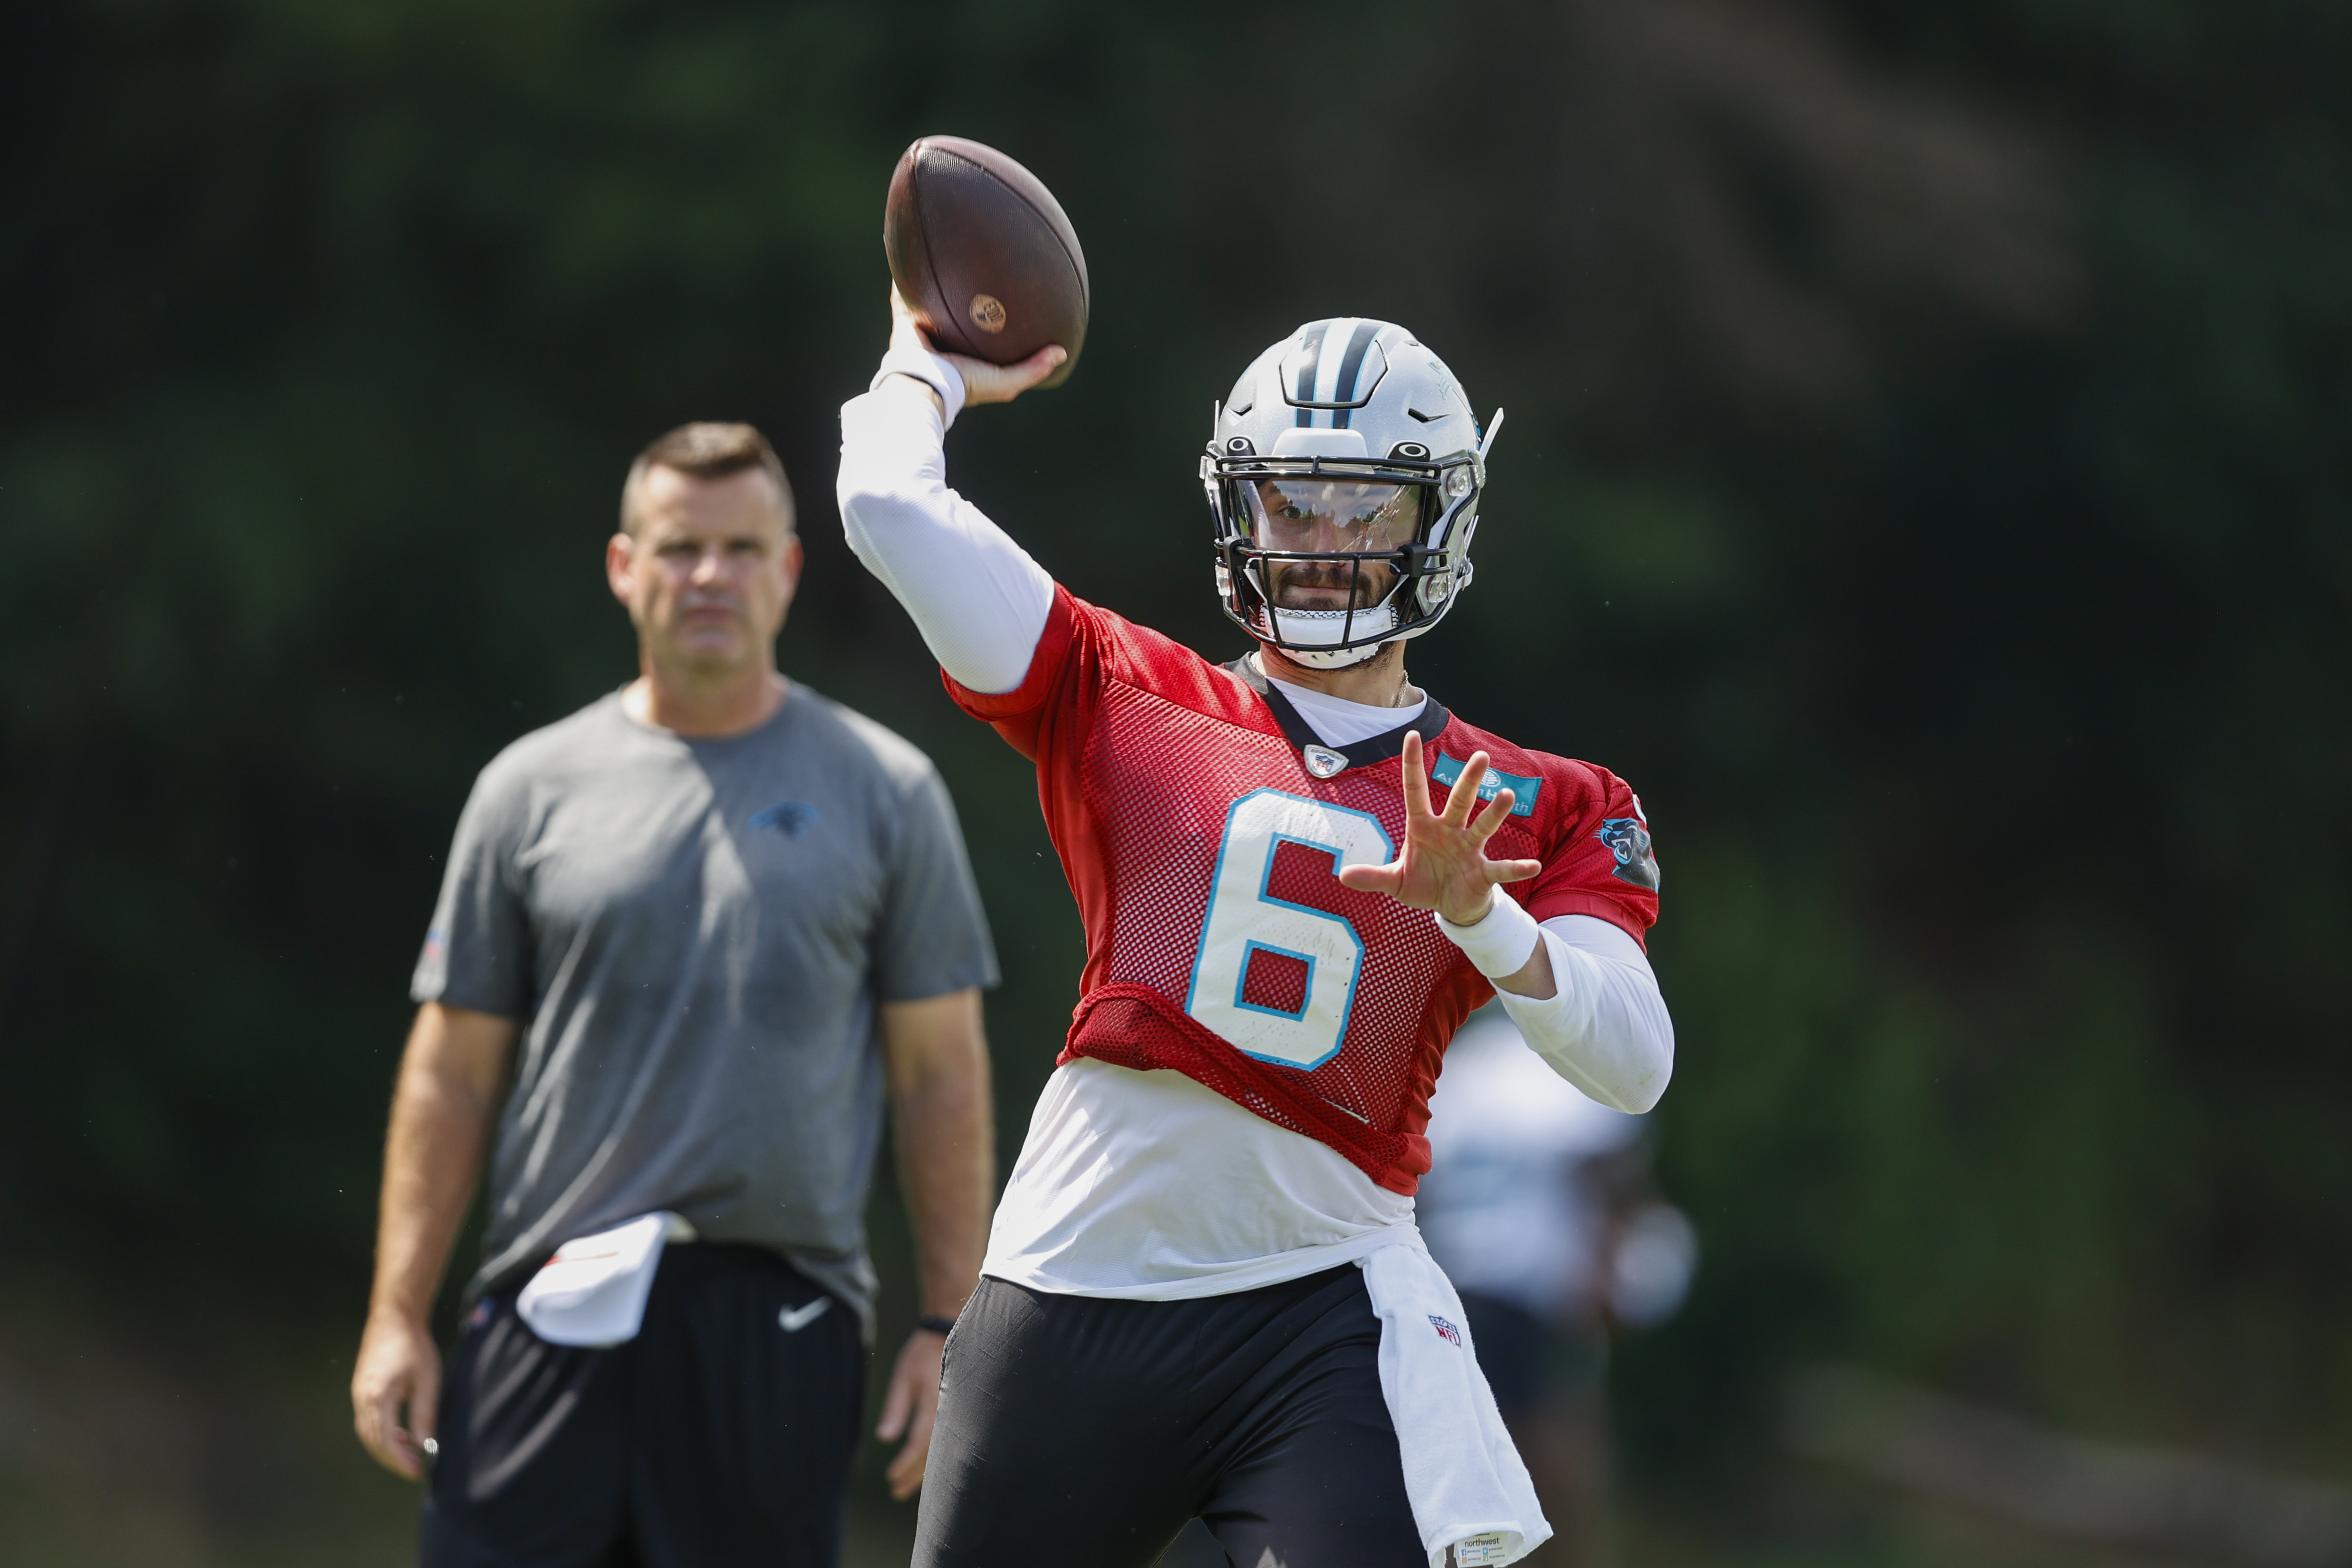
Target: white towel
x=1469 y=1490
x=592 y=1291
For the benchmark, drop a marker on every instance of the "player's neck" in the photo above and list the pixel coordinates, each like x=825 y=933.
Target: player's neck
x=707 y=708
x=1378 y=682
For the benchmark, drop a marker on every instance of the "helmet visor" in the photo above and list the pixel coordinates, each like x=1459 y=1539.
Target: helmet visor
x=1316 y=515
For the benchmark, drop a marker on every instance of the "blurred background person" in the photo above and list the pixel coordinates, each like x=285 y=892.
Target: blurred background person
x=687 y=940
x=1540 y=1210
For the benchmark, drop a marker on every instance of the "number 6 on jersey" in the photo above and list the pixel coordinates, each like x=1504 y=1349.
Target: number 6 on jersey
x=1245 y=921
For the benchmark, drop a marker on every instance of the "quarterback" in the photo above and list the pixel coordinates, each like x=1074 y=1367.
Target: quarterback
x=1205 y=1294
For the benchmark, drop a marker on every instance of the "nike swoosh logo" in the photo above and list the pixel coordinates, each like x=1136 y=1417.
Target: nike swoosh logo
x=795 y=1319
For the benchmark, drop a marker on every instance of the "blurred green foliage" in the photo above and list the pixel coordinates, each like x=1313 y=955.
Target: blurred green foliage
x=1927 y=479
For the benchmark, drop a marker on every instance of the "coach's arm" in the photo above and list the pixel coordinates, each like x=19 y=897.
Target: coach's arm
x=452 y=1076
x=936 y=1057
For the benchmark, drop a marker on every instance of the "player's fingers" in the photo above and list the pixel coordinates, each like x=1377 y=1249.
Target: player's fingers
x=1512 y=871
x=1490 y=820
x=905 y=330
x=425 y=1410
x=1416 y=778
x=905 y=1471
x=985 y=383
x=1465 y=793
x=389 y=1444
x=363 y=1421
x=1373 y=878
x=898 y=1405
x=1020 y=378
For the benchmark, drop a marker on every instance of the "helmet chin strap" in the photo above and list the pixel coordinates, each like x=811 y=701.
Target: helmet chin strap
x=1328 y=658
x=1298 y=630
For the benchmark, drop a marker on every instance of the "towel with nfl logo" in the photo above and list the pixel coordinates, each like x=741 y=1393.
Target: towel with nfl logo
x=1469 y=1490
x=592 y=1291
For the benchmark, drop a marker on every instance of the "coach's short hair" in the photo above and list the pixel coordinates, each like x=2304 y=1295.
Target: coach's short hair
x=706 y=449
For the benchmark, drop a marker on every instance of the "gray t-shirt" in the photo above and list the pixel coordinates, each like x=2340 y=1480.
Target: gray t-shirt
x=695 y=934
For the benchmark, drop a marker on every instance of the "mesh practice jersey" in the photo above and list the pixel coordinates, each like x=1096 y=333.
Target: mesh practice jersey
x=1203 y=853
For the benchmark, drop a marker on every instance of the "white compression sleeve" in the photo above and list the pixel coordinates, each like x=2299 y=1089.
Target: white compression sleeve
x=1604 y=1028
x=978 y=601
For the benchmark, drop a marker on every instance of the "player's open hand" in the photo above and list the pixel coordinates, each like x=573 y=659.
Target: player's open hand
x=982 y=382
x=1444 y=864
x=909 y=1407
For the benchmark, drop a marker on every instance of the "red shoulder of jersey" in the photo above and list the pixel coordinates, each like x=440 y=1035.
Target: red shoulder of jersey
x=1083 y=645
x=1582 y=821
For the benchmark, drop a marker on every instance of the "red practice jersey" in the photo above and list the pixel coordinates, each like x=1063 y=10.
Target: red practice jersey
x=1204 y=853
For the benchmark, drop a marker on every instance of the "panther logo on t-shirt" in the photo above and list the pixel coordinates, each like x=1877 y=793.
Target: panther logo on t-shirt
x=789 y=818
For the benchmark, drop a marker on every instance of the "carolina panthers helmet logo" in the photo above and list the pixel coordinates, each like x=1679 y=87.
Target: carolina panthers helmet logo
x=1629 y=840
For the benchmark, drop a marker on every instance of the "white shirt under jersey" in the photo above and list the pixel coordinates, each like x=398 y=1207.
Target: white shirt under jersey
x=1146 y=1185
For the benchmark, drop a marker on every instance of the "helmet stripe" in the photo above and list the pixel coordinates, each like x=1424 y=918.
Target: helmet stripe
x=1351 y=371
x=1327 y=363
x=1309 y=364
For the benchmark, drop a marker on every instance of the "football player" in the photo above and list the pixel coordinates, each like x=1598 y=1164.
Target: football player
x=1297 y=873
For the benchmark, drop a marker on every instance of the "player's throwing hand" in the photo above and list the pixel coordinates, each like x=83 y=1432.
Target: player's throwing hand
x=982 y=382
x=1444 y=864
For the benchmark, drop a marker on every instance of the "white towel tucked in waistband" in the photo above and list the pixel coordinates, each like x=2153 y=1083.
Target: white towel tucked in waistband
x=1468 y=1488
x=592 y=1291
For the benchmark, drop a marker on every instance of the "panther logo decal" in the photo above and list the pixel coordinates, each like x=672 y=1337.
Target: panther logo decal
x=1629 y=840
x=789 y=818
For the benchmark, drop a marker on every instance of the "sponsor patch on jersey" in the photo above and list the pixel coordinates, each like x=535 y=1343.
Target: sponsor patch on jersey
x=1629 y=840
x=1447 y=1330
x=1523 y=791
x=789 y=818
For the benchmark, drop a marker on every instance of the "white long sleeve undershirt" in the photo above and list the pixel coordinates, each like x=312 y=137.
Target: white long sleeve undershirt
x=978 y=601
x=980 y=604
x=1604 y=1028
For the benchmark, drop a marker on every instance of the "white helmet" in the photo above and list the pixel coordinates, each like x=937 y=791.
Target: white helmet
x=1346 y=433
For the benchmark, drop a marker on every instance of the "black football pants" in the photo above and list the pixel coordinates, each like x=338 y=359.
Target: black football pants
x=720 y=1437
x=1073 y=1429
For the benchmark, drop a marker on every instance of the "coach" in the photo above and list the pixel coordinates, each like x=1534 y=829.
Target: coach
x=689 y=939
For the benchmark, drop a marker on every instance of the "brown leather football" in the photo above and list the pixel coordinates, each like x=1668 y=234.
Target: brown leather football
x=984 y=254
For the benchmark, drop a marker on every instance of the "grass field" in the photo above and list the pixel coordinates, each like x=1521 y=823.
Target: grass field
x=140 y=1442
x=147 y=1425
x=152 y=1442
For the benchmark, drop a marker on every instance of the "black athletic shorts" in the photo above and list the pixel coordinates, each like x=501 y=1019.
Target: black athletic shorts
x=721 y=1436
x=1073 y=1429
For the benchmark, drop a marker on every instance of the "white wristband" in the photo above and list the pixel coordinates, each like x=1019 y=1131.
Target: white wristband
x=933 y=369
x=1499 y=945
